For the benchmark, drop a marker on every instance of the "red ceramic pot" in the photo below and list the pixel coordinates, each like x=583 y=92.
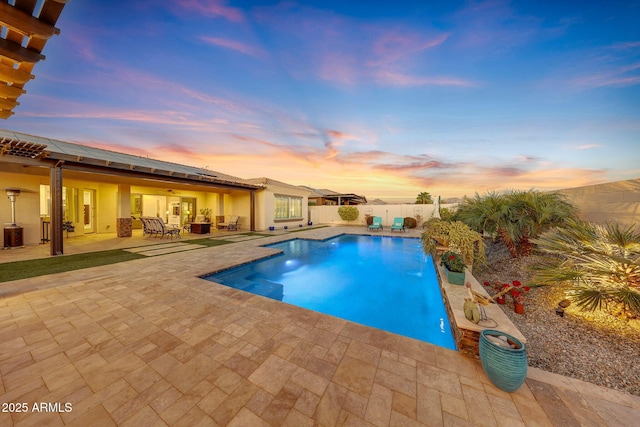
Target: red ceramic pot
x=518 y=308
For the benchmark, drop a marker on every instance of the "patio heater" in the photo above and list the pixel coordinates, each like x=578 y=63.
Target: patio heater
x=12 y=232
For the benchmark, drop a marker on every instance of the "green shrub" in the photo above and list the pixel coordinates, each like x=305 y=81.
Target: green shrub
x=599 y=263
x=348 y=213
x=454 y=235
x=447 y=214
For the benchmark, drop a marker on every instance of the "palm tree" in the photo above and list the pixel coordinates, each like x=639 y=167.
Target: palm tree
x=424 y=198
x=515 y=217
x=489 y=214
x=536 y=212
x=600 y=263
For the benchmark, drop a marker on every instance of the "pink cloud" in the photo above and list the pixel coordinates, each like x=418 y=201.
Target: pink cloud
x=393 y=46
x=415 y=166
x=619 y=76
x=235 y=45
x=399 y=79
x=626 y=45
x=212 y=8
x=588 y=146
x=373 y=173
x=340 y=50
x=340 y=68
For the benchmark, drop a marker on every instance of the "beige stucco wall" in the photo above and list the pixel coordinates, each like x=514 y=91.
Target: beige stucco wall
x=266 y=207
x=106 y=202
x=238 y=203
x=27 y=205
x=611 y=202
x=262 y=204
x=329 y=214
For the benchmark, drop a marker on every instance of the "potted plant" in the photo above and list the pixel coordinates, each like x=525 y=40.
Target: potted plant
x=454 y=266
x=207 y=214
x=499 y=291
x=368 y=219
x=454 y=236
x=519 y=294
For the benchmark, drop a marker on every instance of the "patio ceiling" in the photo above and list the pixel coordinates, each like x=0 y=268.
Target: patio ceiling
x=26 y=27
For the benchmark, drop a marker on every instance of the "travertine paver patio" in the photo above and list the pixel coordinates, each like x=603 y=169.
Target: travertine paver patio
x=147 y=342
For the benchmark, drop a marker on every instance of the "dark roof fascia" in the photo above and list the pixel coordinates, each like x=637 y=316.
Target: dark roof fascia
x=26 y=161
x=336 y=196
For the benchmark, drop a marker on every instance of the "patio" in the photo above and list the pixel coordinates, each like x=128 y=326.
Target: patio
x=149 y=342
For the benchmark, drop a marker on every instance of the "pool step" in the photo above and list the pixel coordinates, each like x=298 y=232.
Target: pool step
x=266 y=288
x=255 y=285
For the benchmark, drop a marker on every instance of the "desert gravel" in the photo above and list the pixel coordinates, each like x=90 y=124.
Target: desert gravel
x=598 y=348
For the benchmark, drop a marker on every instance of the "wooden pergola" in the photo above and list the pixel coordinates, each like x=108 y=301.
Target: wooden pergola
x=26 y=28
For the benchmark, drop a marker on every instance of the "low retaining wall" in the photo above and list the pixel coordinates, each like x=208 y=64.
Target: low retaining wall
x=466 y=333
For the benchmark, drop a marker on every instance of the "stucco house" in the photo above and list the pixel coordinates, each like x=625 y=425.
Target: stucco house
x=53 y=187
x=280 y=205
x=326 y=197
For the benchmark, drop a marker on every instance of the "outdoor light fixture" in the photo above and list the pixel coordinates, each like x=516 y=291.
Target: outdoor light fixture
x=11 y=195
x=12 y=232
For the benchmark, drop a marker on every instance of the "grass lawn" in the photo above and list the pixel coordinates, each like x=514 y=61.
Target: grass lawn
x=207 y=241
x=39 y=267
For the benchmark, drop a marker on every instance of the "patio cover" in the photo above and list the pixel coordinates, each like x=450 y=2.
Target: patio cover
x=27 y=26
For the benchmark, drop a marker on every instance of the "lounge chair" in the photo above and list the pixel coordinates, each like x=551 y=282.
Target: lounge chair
x=146 y=226
x=231 y=223
x=155 y=226
x=398 y=224
x=376 y=224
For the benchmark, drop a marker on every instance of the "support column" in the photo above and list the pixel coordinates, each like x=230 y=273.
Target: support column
x=124 y=222
x=56 y=209
x=221 y=204
x=252 y=210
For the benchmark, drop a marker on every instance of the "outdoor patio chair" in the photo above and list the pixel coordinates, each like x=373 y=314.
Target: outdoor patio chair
x=146 y=226
x=376 y=224
x=231 y=223
x=155 y=226
x=150 y=225
x=398 y=224
x=163 y=230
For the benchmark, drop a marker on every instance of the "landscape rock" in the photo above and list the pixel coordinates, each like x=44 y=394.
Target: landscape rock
x=598 y=348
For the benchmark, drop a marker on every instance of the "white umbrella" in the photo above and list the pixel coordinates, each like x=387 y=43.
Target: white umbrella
x=436 y=208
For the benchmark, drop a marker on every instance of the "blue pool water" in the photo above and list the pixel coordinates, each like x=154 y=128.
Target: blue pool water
x=383 y=282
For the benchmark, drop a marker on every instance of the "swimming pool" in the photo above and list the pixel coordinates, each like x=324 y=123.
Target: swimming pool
x=379 y=281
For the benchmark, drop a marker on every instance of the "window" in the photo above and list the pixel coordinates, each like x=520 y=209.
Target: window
x=288 y=207
x=69 y=203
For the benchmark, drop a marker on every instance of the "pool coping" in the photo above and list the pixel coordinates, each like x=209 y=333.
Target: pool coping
x=466 y=333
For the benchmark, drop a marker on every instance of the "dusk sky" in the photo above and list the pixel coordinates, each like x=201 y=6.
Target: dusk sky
x=380 y=98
